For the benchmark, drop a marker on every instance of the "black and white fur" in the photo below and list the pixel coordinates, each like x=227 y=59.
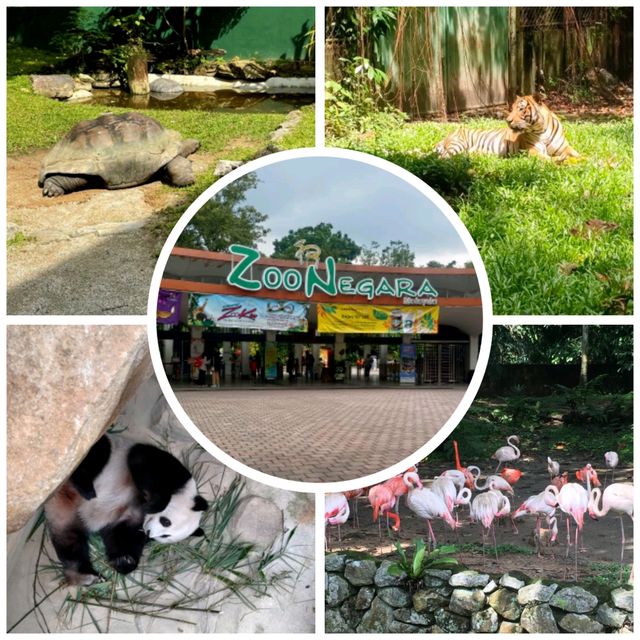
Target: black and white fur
x=127 y=492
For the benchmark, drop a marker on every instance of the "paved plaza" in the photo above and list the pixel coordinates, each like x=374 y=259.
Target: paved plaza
x=316 y=434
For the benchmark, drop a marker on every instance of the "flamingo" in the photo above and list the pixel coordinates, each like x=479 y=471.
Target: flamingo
x=546 y=536
x=589 y=476
x=469 y=476
x=485 y=508
x=494 y=482
x=336 y=510
x=553 y=467
x=427 y=504
x=611 y=460
x=537 y=505
x=511 y=475
x=382 y=500
x=561 y=480
x=508 y=453
x=354 y=494
x=617 y=497
x=573 y=500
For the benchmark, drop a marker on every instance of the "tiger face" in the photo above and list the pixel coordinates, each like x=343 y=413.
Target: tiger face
x=524 y=113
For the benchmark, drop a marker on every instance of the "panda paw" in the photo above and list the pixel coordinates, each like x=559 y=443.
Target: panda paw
x=76 y=578
x=124 y=564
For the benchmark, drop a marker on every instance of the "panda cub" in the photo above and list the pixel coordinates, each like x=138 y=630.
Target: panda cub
x=127 y=492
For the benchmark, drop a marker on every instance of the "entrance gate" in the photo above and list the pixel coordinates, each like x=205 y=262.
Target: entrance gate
x=441 y=362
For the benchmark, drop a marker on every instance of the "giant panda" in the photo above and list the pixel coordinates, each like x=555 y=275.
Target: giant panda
x=127 y=492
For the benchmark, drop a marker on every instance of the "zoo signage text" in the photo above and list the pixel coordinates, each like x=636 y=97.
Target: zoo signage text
x=275 y=278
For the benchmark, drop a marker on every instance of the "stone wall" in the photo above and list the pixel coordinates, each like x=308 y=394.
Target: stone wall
x=362 y=596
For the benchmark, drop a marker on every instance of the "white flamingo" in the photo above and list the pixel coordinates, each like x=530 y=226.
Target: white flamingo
x=617 y=497
x=537 y=505
x=573 y=500
x=611 y=460
x=485 y=508
x=336 y=511
x=427 y=504
x=553 y=467
x=494 y=482
x=508 y=453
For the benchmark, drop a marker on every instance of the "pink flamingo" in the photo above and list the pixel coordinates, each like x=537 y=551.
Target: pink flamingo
x=383 y=497
x=494 y=482
x=508 y=453
x=573 y=500
x=589 y=476
x=354 y=494
x=428 y=505
x=511 y=475
x=537 y=505
x=560 y=481
x=485 y=508
x=611 y=460
x=617 y=497
x=469 y=476
x=336 y=510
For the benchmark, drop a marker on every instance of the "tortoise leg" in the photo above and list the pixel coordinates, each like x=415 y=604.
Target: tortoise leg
x=59 y=185
x=179 y=172
x=188 y=146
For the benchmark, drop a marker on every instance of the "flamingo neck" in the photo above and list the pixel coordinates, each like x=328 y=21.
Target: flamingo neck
x=457 y=455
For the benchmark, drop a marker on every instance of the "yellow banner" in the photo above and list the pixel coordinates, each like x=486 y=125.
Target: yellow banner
x=362 y=318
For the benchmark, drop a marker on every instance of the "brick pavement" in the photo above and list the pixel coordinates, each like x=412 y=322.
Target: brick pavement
x=320 y=435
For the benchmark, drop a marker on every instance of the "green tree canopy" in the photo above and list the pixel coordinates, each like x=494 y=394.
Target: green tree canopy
x=332 y=243
x=226 y=220
x=395 y=254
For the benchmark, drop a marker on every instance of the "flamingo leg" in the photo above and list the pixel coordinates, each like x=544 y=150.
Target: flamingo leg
x=339 y=536
x=431 y=534
x=566 y=555
x=536 y=537
x=576 y=551
x=495 y=545
x=498 y=467
x=622 y=540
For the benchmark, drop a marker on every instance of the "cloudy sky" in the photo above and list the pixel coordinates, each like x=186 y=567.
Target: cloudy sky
x=366 y=203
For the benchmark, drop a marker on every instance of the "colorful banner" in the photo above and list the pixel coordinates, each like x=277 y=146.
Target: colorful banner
x=362 y=318
x=270 y=361
x=408 y=355
x=243 y=312
x=168 y=309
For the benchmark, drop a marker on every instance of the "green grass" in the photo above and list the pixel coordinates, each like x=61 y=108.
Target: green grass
x=26 y=60
x=521 y=212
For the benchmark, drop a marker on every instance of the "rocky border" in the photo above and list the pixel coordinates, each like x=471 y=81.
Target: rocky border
x=362 y=596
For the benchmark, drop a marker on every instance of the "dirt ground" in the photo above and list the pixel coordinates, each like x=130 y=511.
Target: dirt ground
x=90 y=252
x=601 y=539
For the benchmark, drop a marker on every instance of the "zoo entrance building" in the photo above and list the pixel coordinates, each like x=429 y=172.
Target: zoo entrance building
x=421 y=326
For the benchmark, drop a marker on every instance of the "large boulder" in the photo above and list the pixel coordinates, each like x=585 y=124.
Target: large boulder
x=574 y=600
x=166 y=86
x=66 y=385
x=579 y=623
x=538 y=618
x=337 y=590
x=378 y=619
x=59 y=86
x=360 y=572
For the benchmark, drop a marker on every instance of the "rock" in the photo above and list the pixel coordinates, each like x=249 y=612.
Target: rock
x=538 y=618
x=484 y=621
x=579 y=623
x=536 y=592
x=610 y=617
x=377 y=619
x=511 y=582
x=105 y=81
x=85 y=78
x=335 y=623
x=395 y=597
x=78 y=85
x=164 y=85
x=436 y=578
x=53 y=420
x=574 y=599
x=411 y=616
x=337 y=590
x=360 y=572
x=350 y=614
x=401 y=627
x=53 y=86
x=249 y=70
x=505 y=602
x=622 y=598
x=80 y=95
x=466 y=601
x=469 y=579
x=451 y=622
x=365 y=598
x=334 y=562
x=509 y=627
x=428 y=601
x=384 y=579
x=490 y=587
x=226 y=166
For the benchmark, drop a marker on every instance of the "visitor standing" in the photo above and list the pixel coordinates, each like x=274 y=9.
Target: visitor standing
x=218 y=363
x=309 y=361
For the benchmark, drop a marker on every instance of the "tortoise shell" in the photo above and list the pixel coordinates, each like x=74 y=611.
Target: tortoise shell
x=123 y=150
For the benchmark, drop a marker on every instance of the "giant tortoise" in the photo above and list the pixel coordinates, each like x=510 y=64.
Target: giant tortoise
x=116 y=151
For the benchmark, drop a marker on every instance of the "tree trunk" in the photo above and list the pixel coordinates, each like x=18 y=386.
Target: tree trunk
x=584 y=355
x=137 y=74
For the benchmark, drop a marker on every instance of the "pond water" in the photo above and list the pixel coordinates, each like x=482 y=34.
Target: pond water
x=205 y=101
